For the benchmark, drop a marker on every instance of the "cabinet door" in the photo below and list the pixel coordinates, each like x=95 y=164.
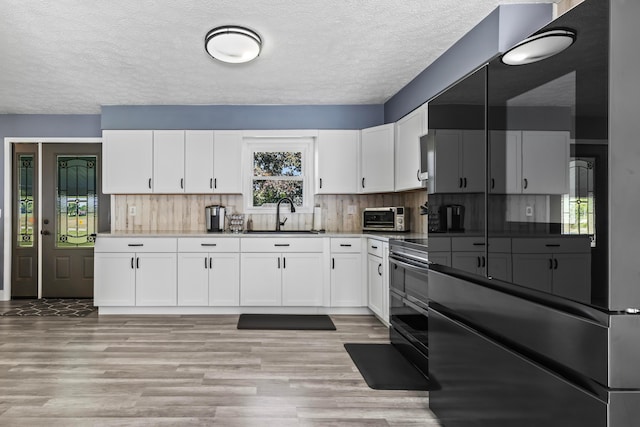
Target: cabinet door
x=224 y=279
x=260 y=279
x=470 y=262
x=473 y=161
x=409 y=129
x=499 y=266
x=193 y=279
x=127 y=161
x=505 y=162
x=156 y=279
x=545 y=162
x=374 y=282
x=377 y=159
x=572 y=276
x=337 y=162
x=168 y=161
x=227 y=162
x=198 y=161
x=533 y=271
x=302 y=279
x=446 y=161
x=114 y=279
x=346 y=280
x=441 y=258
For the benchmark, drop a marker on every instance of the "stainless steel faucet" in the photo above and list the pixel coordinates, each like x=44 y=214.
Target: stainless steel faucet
x=293 y=209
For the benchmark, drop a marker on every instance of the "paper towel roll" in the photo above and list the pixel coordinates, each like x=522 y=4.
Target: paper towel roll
x=317 y=218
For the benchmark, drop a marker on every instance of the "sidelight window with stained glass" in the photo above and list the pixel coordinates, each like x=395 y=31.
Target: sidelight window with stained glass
x=76 y=201
x=26 y=176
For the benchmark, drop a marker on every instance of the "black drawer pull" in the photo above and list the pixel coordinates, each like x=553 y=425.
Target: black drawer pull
x=478 y=244
x=208 y=244
x=281 y=244
x=552 y=245
x=345 y=245
x=135 y=244
x=374 y=247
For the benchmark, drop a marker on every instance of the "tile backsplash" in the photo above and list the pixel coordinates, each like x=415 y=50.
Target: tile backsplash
x=163 y=212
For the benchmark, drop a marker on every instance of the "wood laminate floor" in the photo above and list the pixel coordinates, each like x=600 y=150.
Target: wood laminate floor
x=191 y=371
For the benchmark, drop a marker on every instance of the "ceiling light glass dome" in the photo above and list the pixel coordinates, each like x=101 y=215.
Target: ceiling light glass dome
x=233 y=44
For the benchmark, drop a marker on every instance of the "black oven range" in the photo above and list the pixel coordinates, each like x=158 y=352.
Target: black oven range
x=408 y=299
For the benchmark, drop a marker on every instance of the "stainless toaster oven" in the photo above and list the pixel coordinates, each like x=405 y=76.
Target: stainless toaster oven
x=393 y=218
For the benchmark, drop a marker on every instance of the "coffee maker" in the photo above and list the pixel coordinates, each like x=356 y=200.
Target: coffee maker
x=214 y=216
x=451 y=218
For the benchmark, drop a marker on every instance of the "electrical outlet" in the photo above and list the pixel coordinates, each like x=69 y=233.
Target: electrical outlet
x=528 y=211
x=351 y=210
x=132 y=210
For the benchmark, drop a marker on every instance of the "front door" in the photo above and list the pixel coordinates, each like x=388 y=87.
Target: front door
x=73 y=211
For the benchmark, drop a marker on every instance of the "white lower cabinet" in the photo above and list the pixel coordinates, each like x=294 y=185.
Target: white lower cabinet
x=281 y=279
x=378 y=278
x=208 y=279
x=135 y=272
x=347 y=284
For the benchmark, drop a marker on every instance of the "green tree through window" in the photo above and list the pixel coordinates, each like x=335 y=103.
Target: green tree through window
x=277 y=174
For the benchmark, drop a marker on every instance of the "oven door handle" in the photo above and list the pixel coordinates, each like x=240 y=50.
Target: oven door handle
x=416 y=307
x=402 y=263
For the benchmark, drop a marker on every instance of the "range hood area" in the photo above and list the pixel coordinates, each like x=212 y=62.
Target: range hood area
x=550 y=337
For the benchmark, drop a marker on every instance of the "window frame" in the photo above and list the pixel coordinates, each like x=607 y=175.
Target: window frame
x=302 y=144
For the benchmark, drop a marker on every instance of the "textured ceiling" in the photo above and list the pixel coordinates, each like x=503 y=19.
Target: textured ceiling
x=71 y=56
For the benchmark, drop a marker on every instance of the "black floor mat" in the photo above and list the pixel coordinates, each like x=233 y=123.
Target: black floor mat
x=383 y=367
x=60 y=307
x=286 y=322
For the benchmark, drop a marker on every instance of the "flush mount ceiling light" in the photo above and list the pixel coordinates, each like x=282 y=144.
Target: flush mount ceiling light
x=539 y=47
x=233 y=44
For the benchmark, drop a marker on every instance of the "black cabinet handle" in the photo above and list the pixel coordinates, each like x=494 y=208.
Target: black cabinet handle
x=418 y=175
x=182 y=183
x=550 y=264
x=205 y=262
x=210 y=263
x=552 y=245
x=135 y=244
x=478 y=261
x=478 y=244
x=374 y=247
x=484 y=262
x=320 y=182
x=281 y=244
x=460 y=183
x=345 y=245
x=131 y=262
x=379 y=267
x=211 y=183
x=362 y=182
x=555 y=267
x=465 y=182
x=149 y=182
x=333 y=263
x=278 y=262
x=284 y=262
x=208 y=244
x=215 y=182
x=493 y=183
x=526 y=183
x=137 y=262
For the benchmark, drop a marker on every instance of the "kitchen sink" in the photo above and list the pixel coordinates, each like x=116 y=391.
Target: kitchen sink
x=281 y=232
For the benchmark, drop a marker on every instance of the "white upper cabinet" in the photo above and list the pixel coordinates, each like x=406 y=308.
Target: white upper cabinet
x=127 y=161
x=376 y=159
x=529 y=162
x=456 y=161
x=409 y=129
x=198 y=161
x=168 y=161
x=337 y=162
x=227 y=162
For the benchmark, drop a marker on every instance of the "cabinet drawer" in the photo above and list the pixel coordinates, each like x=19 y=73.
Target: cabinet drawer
x=346 y=245
x=374 y=247
x=132 y=244
x=209 y=244
x=274 y=244
x=471 y=244
x=439 y=244
x=572 y=244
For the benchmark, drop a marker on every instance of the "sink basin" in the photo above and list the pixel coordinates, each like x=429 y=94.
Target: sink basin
x=281 y=232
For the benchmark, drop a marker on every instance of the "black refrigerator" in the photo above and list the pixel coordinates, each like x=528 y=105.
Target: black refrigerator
x=533 y=315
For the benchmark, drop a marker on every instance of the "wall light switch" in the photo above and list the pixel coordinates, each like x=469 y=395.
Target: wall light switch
x=528 y=211
x=132 y=210
x=351 y=210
